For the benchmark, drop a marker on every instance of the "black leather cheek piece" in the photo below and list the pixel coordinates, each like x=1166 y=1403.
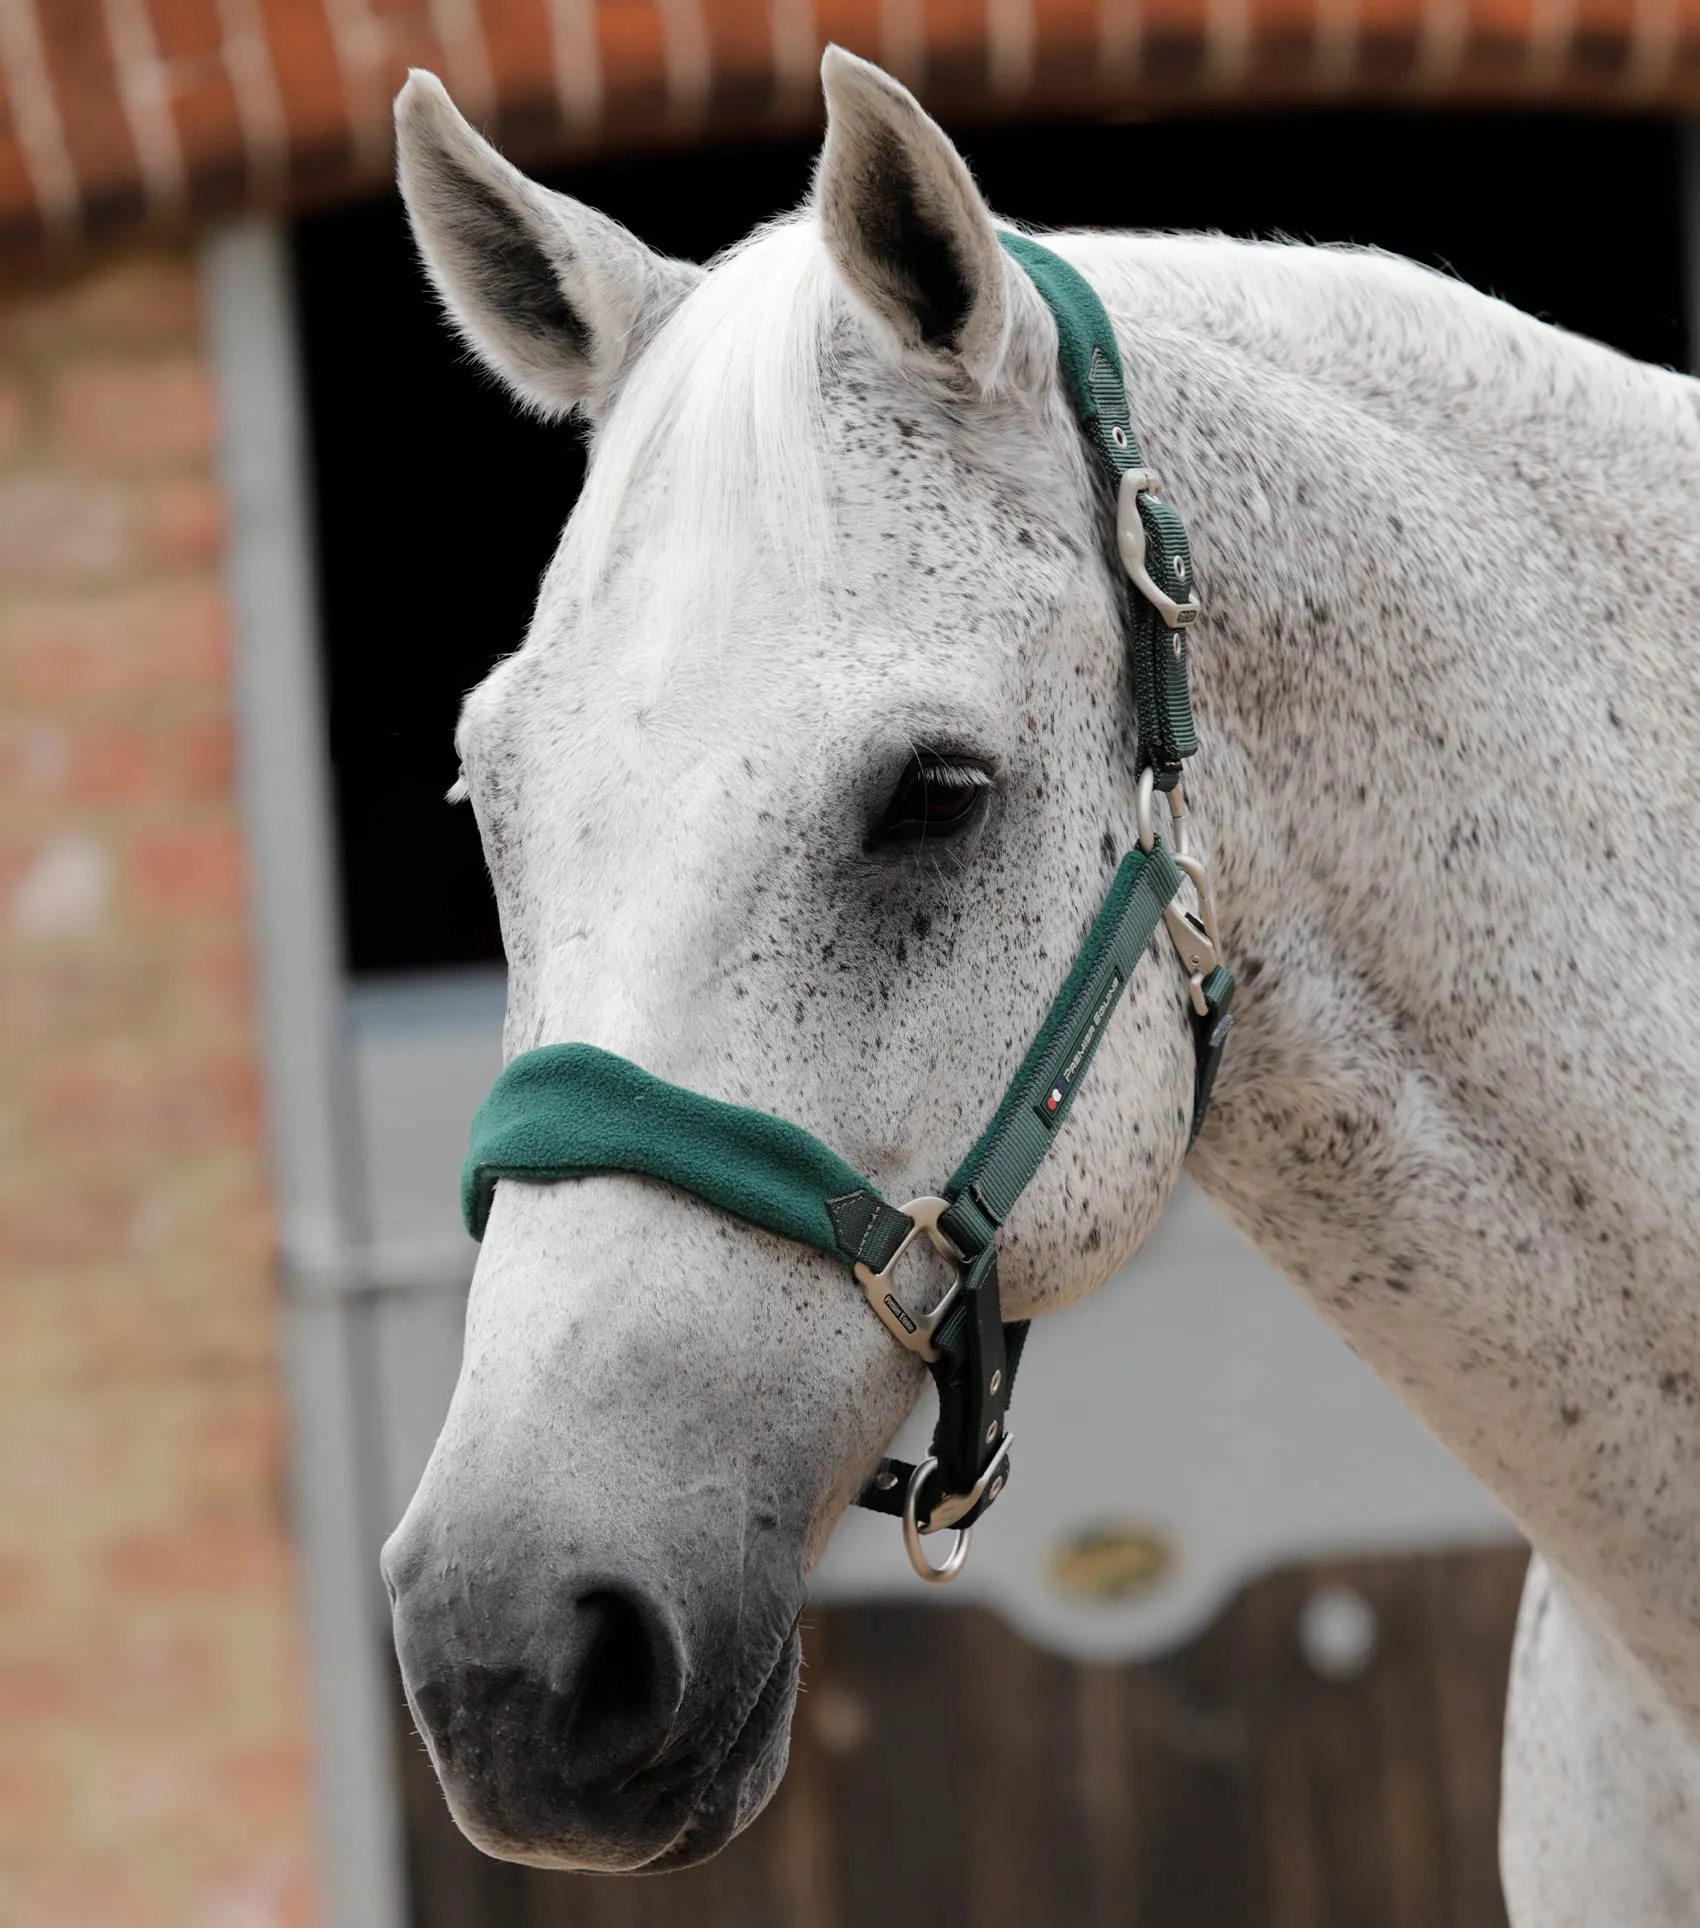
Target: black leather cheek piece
x=973 y=1376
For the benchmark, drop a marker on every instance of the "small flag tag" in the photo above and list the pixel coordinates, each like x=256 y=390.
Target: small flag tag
x=1055 y=1101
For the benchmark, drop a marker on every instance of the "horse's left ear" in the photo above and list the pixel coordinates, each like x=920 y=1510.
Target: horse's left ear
x=904 y=222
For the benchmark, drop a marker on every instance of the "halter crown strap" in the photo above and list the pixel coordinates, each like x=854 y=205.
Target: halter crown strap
x=568 y=1111
x=1160 y=603
x=1151 y=536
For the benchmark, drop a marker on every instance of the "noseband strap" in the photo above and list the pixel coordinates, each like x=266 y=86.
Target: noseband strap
x=568 y=1111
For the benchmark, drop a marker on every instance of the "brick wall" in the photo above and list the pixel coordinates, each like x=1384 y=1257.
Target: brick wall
x=116 y=115
x=153 y=1765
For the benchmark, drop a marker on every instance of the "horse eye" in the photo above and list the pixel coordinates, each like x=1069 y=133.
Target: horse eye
x=936 y=798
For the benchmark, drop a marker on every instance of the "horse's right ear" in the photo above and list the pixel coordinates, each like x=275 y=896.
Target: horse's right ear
x=551 y=296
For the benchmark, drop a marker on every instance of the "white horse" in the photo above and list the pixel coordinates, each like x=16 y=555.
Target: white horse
x=838 y=515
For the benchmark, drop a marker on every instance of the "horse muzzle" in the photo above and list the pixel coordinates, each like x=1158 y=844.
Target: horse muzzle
x=580 y=1725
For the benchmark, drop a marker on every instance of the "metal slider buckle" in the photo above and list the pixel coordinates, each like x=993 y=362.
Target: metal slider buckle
x=953 y=1507
x=1130 y=542
x=1194 y=936
x=914 y=1330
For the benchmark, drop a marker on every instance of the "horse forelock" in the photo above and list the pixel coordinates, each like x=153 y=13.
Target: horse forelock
x=724 y=412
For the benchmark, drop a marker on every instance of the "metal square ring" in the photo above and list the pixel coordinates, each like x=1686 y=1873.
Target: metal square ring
x=913 y=1330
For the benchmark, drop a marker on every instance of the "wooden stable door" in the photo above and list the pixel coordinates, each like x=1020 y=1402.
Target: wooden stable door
x=946 y=1774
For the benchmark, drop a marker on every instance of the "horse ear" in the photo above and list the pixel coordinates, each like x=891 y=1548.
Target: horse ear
x=554 y=298
x=904 y=222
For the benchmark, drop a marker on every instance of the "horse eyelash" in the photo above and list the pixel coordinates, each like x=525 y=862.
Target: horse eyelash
x=953 y=767
x=457 y=791
x=965 y=776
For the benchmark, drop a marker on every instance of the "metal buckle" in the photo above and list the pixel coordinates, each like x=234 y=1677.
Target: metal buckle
x=1194 y=936
x=914 y=1329
x=1130 y=543
x=953 y=1507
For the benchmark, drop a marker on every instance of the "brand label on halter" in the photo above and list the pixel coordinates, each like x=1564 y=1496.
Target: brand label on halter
x=1079 y=1054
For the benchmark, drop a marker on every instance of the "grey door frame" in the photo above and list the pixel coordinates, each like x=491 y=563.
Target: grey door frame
x=249 y=309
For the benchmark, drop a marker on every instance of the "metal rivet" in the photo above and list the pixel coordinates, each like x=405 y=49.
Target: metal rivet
x=1180 y=567
x=885 y=1481
x=997 y=1380
x=1177 y=645
x=991 y=1432
x=995 y=1488
x=1119 y=437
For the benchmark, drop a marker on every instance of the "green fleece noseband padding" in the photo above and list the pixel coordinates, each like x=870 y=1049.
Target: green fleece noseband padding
x=571 y=1110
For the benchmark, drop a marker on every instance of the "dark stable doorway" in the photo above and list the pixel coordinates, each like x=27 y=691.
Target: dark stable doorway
x=438 y=503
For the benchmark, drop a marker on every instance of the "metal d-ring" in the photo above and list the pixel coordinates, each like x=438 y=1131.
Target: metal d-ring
x=956 y=1559
x=950 y=1509
x=1145 y=806
x=1194 y=937
x=913 y=1329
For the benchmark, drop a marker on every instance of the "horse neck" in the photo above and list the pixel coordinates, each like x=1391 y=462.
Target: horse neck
x=1448 y=561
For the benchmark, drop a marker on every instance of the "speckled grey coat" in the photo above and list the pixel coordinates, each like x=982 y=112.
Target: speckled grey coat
x=1448 y=693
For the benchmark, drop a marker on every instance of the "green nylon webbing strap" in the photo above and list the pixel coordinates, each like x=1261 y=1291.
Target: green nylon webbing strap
x=1091 y=366
x=1039 y=1098
x=568 y=1111
x=571 y=1110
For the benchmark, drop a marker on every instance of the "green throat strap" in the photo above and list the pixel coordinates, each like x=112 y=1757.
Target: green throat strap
x=568 y=1111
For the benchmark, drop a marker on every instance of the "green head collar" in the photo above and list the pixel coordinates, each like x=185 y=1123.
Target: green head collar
x=569 y=1111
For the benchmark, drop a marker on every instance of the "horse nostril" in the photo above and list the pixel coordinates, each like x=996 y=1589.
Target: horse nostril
x=627 y=1686
x=538 y=1704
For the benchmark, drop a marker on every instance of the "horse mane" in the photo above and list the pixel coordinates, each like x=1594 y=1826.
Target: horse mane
x=726 y=409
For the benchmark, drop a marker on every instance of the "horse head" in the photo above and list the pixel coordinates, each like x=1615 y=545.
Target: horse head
x=802 y=791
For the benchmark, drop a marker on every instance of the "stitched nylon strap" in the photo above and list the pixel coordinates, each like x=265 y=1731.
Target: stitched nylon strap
x=1091 y=367
x=997 y=1171
x=571 y=1110
x=978 y=1353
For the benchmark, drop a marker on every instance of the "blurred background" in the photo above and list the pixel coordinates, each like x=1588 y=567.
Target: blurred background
x=1233 y=1649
